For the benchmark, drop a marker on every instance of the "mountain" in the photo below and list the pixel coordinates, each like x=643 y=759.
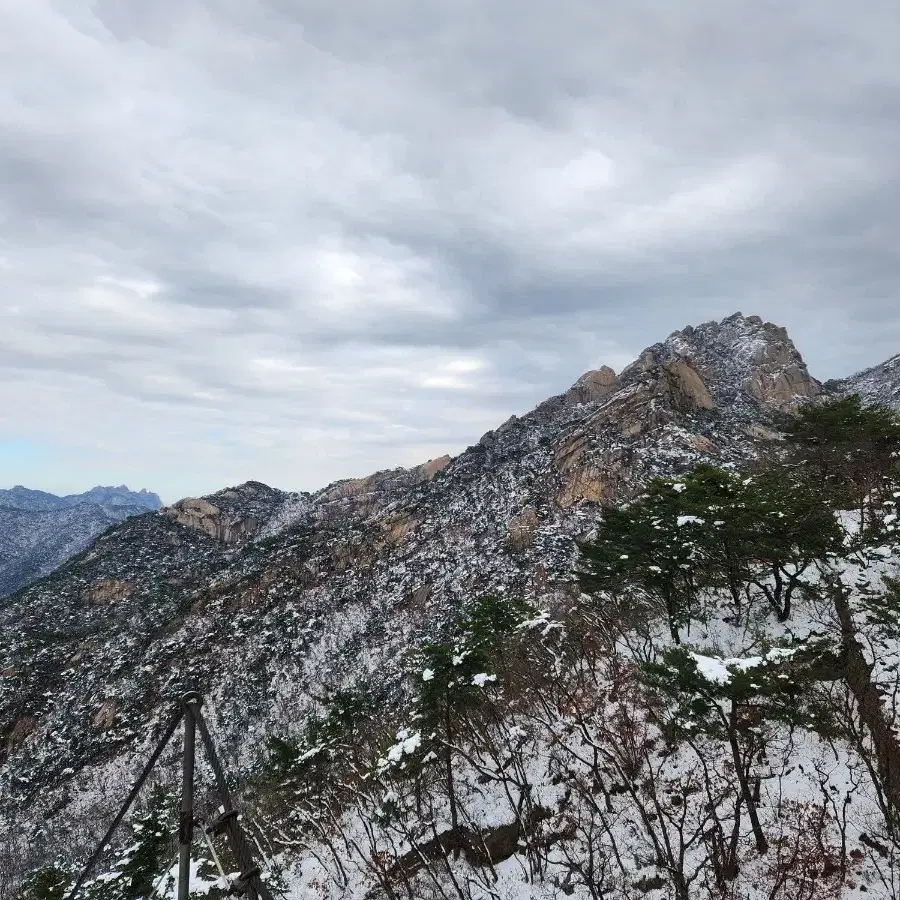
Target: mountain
x=39 y=531
x=267 y=601
x=879 y=384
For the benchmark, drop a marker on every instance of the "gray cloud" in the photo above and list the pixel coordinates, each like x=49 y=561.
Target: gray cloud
x=299 y=241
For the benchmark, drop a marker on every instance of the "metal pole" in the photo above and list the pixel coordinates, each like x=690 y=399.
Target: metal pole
x=190 y=702
x=249 y=881
x=145 y=773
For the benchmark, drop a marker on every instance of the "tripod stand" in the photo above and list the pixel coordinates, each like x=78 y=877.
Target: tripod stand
x=249 y=881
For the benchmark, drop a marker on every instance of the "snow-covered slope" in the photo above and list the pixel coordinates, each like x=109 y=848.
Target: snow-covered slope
x=879 y=384
x=40 y=531
x=265 y=601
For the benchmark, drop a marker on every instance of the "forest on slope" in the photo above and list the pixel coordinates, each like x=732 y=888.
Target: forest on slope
x=714 y=713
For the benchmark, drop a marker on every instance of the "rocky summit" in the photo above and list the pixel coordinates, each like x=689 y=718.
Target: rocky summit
x=39 y=531
x=266 y=600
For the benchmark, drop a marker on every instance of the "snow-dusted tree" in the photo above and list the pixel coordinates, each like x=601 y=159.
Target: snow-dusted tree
x=730 y=699
x=455 y=674
x=849 y=450
x=648 y=550
x=789 y=529
x=754 y=536
x=137 y=867
x=51 y=882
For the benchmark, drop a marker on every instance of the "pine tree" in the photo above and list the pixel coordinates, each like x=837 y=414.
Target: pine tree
x=455 y=674
x=53 y=882
x=648 y=548
x=136 y=868
x=848 y=450
x=754 y=536
x=730 y=700
x=790 y=527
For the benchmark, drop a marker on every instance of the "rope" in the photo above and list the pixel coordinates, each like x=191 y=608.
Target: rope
x=215 y=857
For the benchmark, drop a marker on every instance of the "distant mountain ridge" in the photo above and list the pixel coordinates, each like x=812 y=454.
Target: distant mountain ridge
x=24 y=498
x=39 y=531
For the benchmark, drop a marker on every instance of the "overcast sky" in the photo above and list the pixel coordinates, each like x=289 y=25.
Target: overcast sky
x=300 y=240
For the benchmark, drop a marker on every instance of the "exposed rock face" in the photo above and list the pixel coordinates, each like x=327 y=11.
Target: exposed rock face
x=200 y=514
x=109 y=590
x=264 y=600
x=428 y=470
x=786 y=388
x=592 y=386
x=236 y=513
x=354 y=487
x=396 y=528
x=105 y=716
x=582 y=484
x=685 y=386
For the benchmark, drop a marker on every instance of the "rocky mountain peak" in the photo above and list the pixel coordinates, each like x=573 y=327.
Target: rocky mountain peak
x=740 y=357
x=594 y=385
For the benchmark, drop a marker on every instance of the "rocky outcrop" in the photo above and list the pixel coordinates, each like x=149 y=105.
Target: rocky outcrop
x=786 y=388
x=201 y=515
x=584 y=484
x=586 y=476
x=109 y=590
x=684 y=386
x=427 y=470
x=105 y=716
x=592 y=386
x=741 y=355
x=231 y=515
x=397 y=527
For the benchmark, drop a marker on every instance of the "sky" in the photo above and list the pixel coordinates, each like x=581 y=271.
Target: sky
x=299 y=240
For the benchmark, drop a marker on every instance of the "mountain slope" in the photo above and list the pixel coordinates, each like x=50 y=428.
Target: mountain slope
x=39 y=531
x=263 y=607
x=879 y=384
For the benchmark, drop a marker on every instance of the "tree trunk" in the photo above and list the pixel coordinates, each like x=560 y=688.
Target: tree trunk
x=858 y=674
x=448 y=763
x=762 y=845
x=783 y=611
x=672 y=615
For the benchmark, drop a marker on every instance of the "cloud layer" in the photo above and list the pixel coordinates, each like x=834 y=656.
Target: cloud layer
x=296 y=241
